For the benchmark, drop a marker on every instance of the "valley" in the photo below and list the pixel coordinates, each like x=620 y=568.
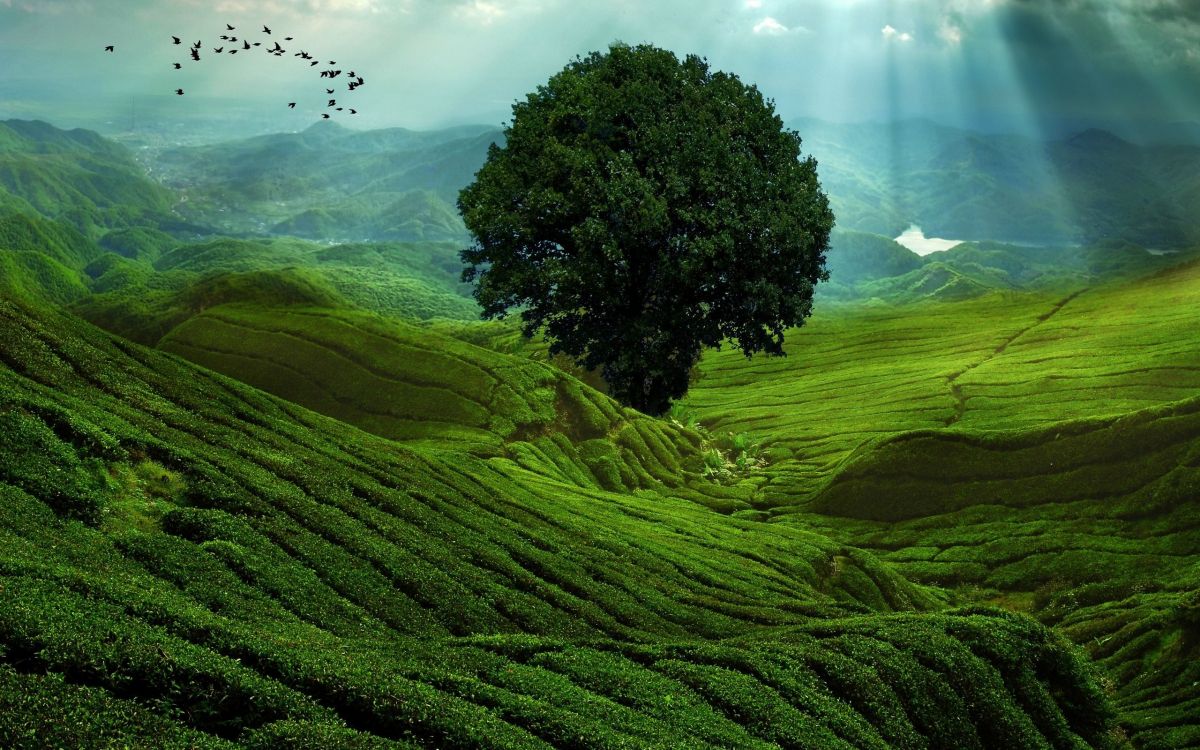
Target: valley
x=268 y=483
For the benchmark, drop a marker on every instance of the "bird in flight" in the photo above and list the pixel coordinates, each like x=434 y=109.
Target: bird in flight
x=195 y=54
x=266 y=30
x=325 y=116
x=228 y=27
x=291 y=105
x=109 y=48
x=328 y=91
x=177 y=65
x=354 y=111
x=218 y=50
x=245 y=45
x=331 y=102
x=196 y=45
x=179 y=92
x=177 y=41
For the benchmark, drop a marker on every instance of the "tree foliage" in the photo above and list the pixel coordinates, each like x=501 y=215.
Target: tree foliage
x=644 y=208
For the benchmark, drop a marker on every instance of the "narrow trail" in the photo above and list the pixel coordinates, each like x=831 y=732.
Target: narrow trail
x=960 y=401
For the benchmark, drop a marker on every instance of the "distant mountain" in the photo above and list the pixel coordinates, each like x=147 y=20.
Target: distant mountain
x=332 y=183
x=78 y=177
x=867 y=266
x=1089 y=187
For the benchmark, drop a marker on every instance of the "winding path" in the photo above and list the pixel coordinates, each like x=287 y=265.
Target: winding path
x=960 y=401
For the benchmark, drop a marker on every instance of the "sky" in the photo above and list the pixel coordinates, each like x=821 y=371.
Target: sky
x=1037 y=66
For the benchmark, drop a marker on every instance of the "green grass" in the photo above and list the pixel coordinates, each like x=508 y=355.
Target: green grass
x=1034 y=451
x=307 y=582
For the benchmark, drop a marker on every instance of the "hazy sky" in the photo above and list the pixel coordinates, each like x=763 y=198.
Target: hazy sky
x=997 y=64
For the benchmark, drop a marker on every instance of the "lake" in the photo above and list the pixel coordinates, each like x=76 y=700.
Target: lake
x=914 y=239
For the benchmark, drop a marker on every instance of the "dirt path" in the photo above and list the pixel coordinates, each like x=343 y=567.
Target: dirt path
x=960 y=401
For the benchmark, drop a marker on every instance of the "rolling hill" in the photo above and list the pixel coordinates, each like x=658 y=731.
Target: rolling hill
x=76 y=176
x=328 y=182
x=1027 y=450
x=208 y=566
x=1087 y=188
x=330 y=509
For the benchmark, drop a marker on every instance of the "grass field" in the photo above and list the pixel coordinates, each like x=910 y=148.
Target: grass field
x=203 y=565
x=1038 y=452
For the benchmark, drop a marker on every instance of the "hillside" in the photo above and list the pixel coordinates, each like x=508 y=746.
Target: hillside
x=212 y=567
x=77 y=176
x=329 y=182
x=971 y=186
x=1032 y=451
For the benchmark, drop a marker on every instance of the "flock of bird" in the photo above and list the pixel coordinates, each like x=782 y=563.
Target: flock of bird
x=232 y=42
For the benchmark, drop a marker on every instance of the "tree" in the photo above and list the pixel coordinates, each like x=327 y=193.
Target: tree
x=644 y=208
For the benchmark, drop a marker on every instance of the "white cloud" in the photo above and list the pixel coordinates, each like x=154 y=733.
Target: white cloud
x=480 y=11
x=770 y=27
x=487 y=12
x=890 y=32
x=950 y=32
x=754 y=4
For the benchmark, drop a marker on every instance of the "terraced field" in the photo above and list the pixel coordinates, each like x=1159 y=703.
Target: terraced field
x=409 y=383
x=1041 y=453
x=203 y=565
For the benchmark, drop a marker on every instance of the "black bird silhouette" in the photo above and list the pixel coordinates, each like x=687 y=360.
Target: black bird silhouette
x=258 y=44
x=315 y=62
x=179 y=92
x=195 y=54
x=354 y=111
x=177 y=65
x=228 y=27
x=109 y=48
x=331 y=62
x=328 y=91
x=196 y=45
x=245 y=45
x=339 y=109
x=277 y=48
x=233 y=38
x=287 y=39
x=324 y=116
x=266 y=30
x=218 y=50
x=177 y=40
x=324 y=73
x=331 y=102
x=233 y=52
x=291 y=105
x=224 y=36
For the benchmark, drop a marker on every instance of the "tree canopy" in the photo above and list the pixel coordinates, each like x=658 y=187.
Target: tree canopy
x=641 y=209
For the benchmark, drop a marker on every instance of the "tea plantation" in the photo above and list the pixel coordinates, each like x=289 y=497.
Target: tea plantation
x=189 y=562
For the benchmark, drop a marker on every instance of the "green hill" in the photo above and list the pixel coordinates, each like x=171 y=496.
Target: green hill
x=331 y=183
x=77 y=177
x=411 y=384
x=208 y=566
x=954 y=183
x=1027 y=450
x=143 y=298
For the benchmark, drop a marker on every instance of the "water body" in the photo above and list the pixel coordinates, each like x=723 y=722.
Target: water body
x=914 y=239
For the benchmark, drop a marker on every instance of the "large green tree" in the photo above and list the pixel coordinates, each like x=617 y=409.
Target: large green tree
x=641 y=209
